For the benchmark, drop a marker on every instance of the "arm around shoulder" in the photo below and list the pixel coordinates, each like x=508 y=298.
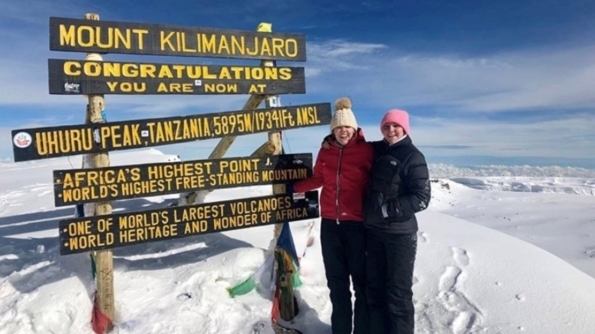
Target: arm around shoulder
x=317 y=178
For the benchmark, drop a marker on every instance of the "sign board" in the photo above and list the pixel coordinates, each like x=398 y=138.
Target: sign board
x=108 y=77
x=88 y=36
x=101 y=232
x=76 y=186
x=40 y=143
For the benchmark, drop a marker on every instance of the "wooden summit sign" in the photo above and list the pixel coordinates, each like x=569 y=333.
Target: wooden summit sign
x=79 y=35
x=41 y=143
x=76 y=186
x=101 y=232
x=108 y=77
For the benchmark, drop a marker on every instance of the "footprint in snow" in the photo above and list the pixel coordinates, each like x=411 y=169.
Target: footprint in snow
x=449 y=278
x=460 y=256
x=463 y=323
x=464 y=314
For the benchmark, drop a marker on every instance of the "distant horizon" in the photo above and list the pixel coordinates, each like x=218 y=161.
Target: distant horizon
x=485 y=161
x=461 y=161
x=440 y=167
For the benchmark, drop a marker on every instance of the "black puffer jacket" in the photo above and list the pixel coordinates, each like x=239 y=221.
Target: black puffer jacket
x=399 y=187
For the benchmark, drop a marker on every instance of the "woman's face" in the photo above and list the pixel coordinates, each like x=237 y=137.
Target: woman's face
x=392 y=132
x=343 y=134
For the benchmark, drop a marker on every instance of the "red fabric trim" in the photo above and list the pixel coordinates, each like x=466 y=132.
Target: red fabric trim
x=99 y=321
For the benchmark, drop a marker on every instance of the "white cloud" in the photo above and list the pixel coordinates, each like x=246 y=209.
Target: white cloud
x=342 y=48
x=517 y=80
x=338 y=55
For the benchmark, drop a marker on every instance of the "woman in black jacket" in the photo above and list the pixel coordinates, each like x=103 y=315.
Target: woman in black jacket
x=399 y=187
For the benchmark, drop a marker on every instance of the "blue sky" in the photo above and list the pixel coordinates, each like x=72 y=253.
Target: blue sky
x=486 y=82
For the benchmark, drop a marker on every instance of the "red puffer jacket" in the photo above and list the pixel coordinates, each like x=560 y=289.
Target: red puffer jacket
x=343 y=174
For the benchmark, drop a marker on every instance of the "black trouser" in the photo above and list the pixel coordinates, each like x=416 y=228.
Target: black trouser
x=390 y=261
x=344 y=255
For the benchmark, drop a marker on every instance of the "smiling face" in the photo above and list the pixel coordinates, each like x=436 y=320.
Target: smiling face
x=343 y=134
x=392 y=132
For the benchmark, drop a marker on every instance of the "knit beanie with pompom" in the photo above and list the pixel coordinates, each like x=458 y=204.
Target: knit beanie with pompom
x=343 y=114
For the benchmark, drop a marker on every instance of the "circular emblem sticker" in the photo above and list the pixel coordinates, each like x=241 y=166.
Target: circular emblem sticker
x=22 y=140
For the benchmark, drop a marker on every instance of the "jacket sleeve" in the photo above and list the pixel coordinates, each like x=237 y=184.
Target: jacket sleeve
x=418 y=192
x=316 y=180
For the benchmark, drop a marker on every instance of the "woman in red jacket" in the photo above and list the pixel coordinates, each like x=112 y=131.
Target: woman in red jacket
x=343 y=172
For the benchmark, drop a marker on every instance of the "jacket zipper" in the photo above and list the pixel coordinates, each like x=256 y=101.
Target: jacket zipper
x=338 y=185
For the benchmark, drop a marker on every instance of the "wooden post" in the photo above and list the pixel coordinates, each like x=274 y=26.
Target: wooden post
x=103 y=258
x=284 y=282
x=265 y=149
x=274 y=146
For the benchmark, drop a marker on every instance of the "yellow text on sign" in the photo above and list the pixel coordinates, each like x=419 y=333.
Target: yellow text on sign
x=82 y=236
x=68 y=141
x=117 y=70
x=170 y=40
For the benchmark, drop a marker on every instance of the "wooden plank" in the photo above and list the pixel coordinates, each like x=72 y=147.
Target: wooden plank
x=76 y=186
x=96 y=233
x=49 y=142
x=67 y=34
x=74 y=77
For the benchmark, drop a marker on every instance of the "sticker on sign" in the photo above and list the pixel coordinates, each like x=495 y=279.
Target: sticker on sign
x=22 y=140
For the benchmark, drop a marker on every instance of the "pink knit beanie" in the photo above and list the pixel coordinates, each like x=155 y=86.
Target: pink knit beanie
x=397 y=116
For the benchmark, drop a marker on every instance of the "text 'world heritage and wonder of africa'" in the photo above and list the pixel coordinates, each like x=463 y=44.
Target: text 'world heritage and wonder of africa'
x=100 y=232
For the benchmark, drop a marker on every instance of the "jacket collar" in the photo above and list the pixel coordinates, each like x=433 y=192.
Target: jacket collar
x=406 y=140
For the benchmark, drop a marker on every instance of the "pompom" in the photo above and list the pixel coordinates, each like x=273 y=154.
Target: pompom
x=343 y=103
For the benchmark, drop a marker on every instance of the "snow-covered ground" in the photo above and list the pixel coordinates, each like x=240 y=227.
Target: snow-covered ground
x=490 y=260
x=545 y=212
